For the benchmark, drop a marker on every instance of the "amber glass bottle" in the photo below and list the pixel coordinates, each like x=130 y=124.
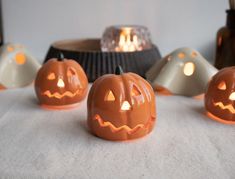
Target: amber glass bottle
x=225 y=43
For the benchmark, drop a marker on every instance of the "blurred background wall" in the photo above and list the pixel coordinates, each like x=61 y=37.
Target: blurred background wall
x=172 y=23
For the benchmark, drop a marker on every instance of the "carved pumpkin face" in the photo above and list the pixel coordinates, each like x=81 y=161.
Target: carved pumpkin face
x=220 y=96
x=61 y=83
x=121 y=107
x=183 y=72
x=18 y=67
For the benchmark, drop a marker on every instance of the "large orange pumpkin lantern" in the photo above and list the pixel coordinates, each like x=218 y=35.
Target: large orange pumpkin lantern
x=61 y=83
x=121 y=106
x=220 y=96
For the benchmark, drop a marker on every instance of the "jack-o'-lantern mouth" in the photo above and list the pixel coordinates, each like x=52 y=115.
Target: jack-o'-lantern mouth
x=59 y=96
x=224 y=107
x=126 y=128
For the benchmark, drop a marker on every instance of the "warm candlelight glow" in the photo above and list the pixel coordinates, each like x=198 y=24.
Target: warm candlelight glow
x=128 y=42
x=126 y=39
x=60 y=83
x=20 y=58
x=189 y=68
x=126 y=106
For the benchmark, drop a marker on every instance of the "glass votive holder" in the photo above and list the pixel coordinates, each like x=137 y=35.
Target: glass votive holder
x=125 y=39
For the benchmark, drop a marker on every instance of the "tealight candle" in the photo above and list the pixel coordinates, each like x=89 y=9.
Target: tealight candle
x=126 y=39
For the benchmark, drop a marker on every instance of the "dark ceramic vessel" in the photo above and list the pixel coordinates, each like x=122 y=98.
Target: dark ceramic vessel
x=96 y=63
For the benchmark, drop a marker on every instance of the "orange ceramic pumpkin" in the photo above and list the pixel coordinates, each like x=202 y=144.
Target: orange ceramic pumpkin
x=220 y=96
x=61 y=83
x=121 y=106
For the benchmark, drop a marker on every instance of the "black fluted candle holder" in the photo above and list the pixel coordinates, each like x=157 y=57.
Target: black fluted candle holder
x=96 y=63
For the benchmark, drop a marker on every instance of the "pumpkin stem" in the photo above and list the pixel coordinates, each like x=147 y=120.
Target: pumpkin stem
x=119 y=70
x=60 y=56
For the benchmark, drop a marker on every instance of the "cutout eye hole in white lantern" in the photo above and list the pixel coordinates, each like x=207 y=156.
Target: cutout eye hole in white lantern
x=20 y=58
x=126 y=39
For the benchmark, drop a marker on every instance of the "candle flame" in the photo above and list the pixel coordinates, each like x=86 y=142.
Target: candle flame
x=127 y=41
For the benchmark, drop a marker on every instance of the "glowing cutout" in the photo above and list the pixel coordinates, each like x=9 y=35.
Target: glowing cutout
x=71 y=71
x=135 y=91
x=126 y=128
x=20 y=58
x=189 y=68
x=60 y=83
x=59 y=96
x=181 y=55
x=222 y=85
x=228 y=107
x=232 y=96
x=109 y=96
x=51 y=76
x=126 y=106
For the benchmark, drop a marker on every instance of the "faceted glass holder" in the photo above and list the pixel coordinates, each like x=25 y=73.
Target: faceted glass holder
x=125 y=39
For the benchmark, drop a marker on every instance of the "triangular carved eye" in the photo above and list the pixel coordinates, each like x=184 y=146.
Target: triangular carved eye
x=135 y=91
x=51 y=76
x=109 y=96
x=222 y=85
x=71 y=71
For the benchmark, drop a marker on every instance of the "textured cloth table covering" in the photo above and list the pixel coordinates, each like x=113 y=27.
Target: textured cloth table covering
x=39 y=143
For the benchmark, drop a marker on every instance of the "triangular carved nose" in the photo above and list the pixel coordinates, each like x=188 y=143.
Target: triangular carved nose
x=60 y=83
x=126 y=106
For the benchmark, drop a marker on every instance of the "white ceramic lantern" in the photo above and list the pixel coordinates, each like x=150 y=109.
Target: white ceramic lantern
x=183 y=72
x=18 y=67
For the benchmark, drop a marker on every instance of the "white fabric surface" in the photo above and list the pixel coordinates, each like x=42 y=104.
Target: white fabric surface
x=38 y=143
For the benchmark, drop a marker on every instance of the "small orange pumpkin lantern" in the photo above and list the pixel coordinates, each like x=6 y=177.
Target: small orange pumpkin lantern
x=61 y=83
x=220 y=96
x=121 y=106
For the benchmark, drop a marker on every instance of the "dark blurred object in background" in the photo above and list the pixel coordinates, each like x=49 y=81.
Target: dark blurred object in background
x=87 y=52
x=225 y=42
